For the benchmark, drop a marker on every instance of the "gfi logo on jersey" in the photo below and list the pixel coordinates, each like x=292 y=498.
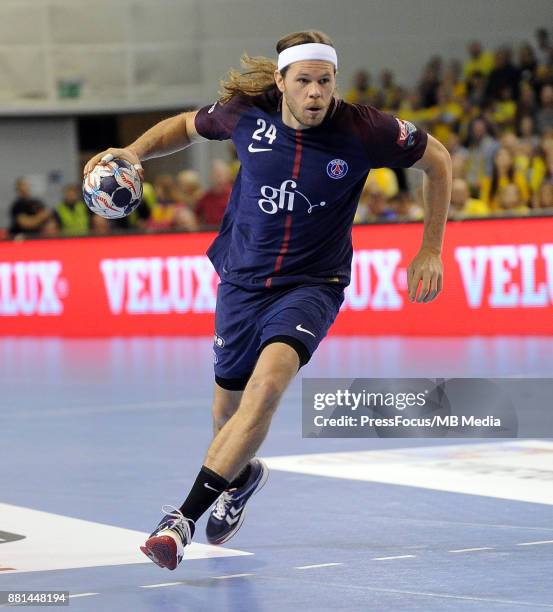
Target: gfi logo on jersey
x=406 y=136
x=281 y=198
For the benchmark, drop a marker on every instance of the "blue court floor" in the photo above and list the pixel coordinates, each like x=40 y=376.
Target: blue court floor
x=98 y=434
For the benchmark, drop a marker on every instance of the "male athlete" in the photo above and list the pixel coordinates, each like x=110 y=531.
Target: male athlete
x=284 y=250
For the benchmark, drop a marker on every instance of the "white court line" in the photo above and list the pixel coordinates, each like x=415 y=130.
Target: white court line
x=318 y=565
x=458 y=550
x=397 y=557
x=535 y=543
x=83 y=594
x=466 y=524
x=350 y=587
x=231 y=576
x=161 y=584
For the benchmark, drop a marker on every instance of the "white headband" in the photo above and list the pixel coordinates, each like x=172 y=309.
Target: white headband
x=309 y=51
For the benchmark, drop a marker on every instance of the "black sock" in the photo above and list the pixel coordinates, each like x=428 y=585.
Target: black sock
x=241 y=479
x=204 y=492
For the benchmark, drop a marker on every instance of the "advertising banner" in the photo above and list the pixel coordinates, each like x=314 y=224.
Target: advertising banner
x=498 y=279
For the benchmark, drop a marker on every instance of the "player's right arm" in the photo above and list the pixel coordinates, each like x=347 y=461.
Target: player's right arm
x=164 y=138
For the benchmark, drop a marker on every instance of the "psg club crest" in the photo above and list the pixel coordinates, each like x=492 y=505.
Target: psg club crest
x=337 y=169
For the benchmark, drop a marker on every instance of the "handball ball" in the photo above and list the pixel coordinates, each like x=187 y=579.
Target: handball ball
x=113 y=190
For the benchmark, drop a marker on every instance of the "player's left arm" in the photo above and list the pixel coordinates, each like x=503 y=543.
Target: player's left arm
x=426 y=268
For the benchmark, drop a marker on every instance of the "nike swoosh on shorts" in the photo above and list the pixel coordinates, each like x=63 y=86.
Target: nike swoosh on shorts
x=306 y=331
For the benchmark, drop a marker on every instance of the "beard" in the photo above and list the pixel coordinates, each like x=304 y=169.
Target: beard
x=303 y=117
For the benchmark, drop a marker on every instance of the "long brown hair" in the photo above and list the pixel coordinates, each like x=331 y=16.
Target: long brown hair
x=258 y=74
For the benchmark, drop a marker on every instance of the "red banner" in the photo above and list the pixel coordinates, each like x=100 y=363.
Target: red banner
x=498 y=279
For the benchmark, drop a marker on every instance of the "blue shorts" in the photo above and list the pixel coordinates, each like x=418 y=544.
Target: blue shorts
x=246 y=321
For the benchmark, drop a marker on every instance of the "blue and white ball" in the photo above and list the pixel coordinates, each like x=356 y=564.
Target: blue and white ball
x=113 y=190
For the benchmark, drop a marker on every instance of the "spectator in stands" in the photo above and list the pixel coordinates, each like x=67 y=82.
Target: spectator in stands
x=167 y=199
x=476 y=89
x=537 y=170
x=138 y=219
x=462 y=205
x=504 y=110
x=405 y=208
x=454 y=145
x=389 y=94
x=503 y=174
x=505 y=75
x=527 y=63
x=27 y=214
x=411 y=107
x=546 y=144
x=373 y=205
x=444 y=116
x=544 y=116
x=99 y=226
x=190 y=187
x=479 y=60
x=430 y=81
x=459 y=164
x=543 y=46
x=378 y=208
x=518 y=150
x=453 y=79
x=511 y=201
x=50 y=228
x=547 y=175
x=184 y=219
x=212 y=205
x=527 y=132
x=469 y=114
x=361 y=92
x=526 y=104
x=481 y=150
x=191 y=192
x=385 y=180
x=543 y=199
x=72 y=214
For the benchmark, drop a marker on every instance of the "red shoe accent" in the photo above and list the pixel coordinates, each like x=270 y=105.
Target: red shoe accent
x=162 y=550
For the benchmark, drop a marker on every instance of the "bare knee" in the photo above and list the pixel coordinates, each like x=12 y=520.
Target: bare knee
x=275 y=368
x=263 y=393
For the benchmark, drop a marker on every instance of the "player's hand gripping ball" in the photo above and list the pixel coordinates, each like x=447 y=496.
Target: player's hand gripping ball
x=113 y=190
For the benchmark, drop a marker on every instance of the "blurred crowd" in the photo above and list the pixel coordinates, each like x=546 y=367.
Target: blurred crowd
x=179 y=203
x=493 y=111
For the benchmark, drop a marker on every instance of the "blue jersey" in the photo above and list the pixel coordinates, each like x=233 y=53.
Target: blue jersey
x=290 y=214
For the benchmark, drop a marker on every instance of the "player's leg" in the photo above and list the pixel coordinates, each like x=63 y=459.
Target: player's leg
x=244 y=432
x=235 y=352
x=225 y=404
x=288 y=327
x=232 y=447
x=312 y=310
